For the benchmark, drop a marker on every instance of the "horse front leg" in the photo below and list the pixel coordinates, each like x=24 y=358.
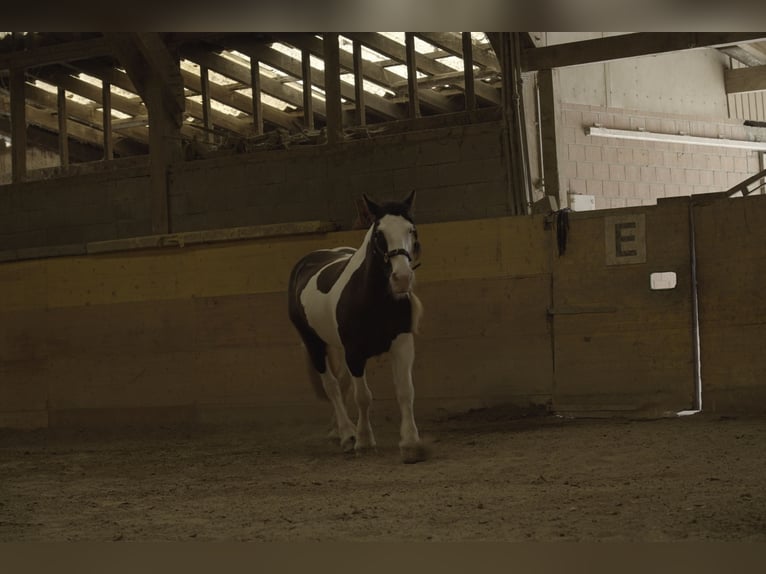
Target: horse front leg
x=365 y=439
x=403 y=357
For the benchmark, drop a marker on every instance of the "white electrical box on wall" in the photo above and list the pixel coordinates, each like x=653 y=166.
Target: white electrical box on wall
x=582 y=202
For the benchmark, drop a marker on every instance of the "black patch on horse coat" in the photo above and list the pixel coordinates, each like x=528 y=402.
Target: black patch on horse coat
x=329 y=275
x=303 y=271
x=369 y=317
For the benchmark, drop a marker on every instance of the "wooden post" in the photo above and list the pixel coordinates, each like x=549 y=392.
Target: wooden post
x=106 y=107
x=63 y=129
x=412 y=75
x=470 y=92
x=207 y=120
x=547 y=81
x=308 y=99
x=18 y=126
x=361 y=112
x=255 y=84
x=513 y=118
x=332 y=87
x=156 y=74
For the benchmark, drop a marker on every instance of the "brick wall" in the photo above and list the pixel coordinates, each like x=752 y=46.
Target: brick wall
x=625 y=173
x=458 y=172
x=75 y=210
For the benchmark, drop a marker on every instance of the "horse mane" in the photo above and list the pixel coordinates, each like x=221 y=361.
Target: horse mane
x=417 y=312
x=395 y=208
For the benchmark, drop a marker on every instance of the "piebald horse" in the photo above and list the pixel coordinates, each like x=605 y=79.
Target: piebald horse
x=349 y=305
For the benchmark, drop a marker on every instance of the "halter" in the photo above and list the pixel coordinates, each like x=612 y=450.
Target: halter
x=387 y=255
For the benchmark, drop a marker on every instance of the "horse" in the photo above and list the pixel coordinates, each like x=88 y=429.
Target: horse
x=349 y=305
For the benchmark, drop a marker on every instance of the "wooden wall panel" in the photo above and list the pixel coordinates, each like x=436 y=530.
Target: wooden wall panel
x=196 y=333
x=731 y=234
x=619 y=346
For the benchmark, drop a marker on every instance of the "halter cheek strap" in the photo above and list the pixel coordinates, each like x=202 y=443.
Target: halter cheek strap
x=387 y=255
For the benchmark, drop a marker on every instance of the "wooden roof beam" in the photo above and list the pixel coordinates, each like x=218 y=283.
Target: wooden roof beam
x=292 y=67
x=49 y=121
x=241 y=73
x=398 y=52
x=745 y=80
x=370 y=70
x=56 y=54
x=238 y=101
x=453 y=44
x=628 y=46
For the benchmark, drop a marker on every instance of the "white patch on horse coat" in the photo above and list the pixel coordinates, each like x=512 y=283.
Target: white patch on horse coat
x=398 y=233
x=320 y=307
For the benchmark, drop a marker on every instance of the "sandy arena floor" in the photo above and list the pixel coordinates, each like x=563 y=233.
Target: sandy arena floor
x=492 y=475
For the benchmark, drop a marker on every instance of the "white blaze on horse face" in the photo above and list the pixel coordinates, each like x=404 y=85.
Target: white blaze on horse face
x=399 y=235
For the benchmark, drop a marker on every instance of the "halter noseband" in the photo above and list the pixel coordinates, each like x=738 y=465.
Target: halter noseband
x=387 y=255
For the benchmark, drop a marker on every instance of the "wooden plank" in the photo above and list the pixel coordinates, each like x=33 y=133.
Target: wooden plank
x=204 y=90
x=455 y=45
x=413 y=103
x=18 y=126
x=628 y=46
x=235 y=100
x=398 y=52
x=308 y=96
x=63 y=132
x=470 y=94
x=332 y=87
x=255 y=83
x=63 y=52
x=745 y=79
x=360 y=112
x=106 y=124
x=242 y=74
x=292 y=67
x=374 y=72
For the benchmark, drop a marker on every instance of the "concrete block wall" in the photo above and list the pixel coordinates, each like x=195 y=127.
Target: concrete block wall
x=458 y=172
x=75 y=210
x=627 y=173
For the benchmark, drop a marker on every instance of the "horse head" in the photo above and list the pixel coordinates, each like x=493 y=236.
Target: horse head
x=394 y=242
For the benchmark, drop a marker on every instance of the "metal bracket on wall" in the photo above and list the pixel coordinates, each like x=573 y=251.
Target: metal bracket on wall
x=743 y=186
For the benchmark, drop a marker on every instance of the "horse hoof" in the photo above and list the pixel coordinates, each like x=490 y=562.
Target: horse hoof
x=349 y=444
x=366 y=450
x=413 y=453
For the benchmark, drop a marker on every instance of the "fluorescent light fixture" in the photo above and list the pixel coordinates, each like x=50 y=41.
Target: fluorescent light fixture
x=673 y=138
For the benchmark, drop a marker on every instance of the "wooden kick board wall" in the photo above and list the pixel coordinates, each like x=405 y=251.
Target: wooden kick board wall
x=201 y=333
x=731 y=267
x=619 y=346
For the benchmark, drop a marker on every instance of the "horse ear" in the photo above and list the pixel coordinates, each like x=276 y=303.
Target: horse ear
x=372 y=207
x=410 y=202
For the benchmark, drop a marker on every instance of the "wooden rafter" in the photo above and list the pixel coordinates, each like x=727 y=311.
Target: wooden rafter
x=745 y=79
x=628 y=46
x=373 y=72
x=292 y=67
x=427 y=65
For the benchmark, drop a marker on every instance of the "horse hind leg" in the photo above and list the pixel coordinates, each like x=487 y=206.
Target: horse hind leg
x=337 y=366
x=346 y=431
x=326 y=385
